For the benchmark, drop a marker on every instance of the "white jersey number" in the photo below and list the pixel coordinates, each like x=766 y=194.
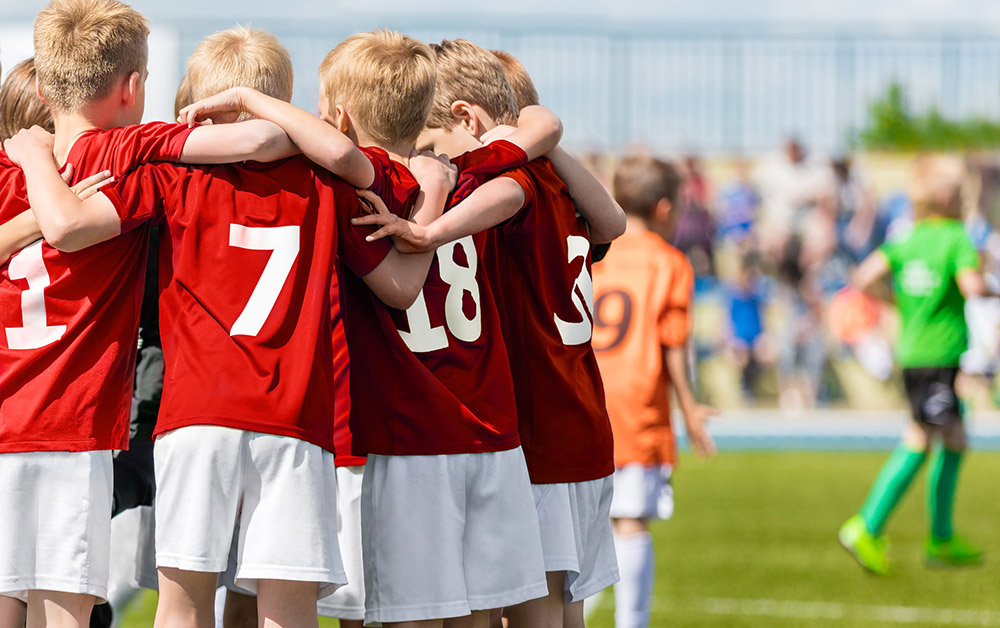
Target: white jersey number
x=580 y=332
x=284 y=242
x=35 y=331
x=423 y=338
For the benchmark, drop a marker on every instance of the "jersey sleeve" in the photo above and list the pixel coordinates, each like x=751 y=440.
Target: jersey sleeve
x=139 y=195
x=966 y=256
x=675 y=317
x=144 y=143
x=382 y=165
x=493 y=158
x=361 y=256
x=529 y=187
x=890 y=251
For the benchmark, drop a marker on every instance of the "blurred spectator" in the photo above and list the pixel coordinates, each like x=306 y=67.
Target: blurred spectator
x=746 y=319
x=694 y=231
x=737 y=208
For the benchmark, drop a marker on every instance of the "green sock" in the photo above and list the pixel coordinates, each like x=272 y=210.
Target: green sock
x=941 y=480
x=891 y=483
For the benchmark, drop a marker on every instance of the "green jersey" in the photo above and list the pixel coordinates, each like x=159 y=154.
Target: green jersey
x=925 y=265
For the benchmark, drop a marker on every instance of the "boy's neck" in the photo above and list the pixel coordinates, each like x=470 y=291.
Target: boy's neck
x=399 y=152
x=71 y=125
x=636 y=224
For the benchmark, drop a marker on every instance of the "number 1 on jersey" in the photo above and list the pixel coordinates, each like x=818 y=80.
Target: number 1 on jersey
x=35 y=331
x=284 y=244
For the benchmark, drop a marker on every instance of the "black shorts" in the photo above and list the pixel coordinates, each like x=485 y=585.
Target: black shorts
x=932 y=394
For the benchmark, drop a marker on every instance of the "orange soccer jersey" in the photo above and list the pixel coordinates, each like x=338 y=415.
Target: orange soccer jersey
x=642 y=300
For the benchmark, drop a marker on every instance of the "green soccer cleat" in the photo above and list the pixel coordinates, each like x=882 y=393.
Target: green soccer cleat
x=953 y=552
x=869 y=550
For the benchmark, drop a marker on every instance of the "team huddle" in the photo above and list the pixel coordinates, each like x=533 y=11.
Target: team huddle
x=381 y=399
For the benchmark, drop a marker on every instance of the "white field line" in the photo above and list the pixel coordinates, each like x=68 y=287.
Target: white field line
x=836 y=610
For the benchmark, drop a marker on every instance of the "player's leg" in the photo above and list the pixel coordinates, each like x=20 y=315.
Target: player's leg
x=58 y=609
x=475 y=619
x=13 y=612
x=186 y=599
x=427 y=623
x=543 y=612
x=573 y=615
x=240 y=610
x=200 y=482
x=287 y=604
x=640 y=493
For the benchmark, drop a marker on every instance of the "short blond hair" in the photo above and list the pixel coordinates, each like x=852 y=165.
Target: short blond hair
x=520 y=81
x=183 y=96
x=385 y=79
x=20 y=107
x=82 y=47
x=641 y=181
x=473 y=74
x=936 y=187
x=239 y=57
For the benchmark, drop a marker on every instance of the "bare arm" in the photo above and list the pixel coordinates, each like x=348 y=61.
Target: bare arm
x=252 y=140
x=869 y=272
x=491 y=203
x=538 y=131
x=67 y=222
x=317 y=140
x=972 y=284
x=695 y=414
x=605 y=217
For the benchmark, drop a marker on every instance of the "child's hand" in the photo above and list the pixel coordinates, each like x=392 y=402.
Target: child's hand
x=433 y=170
x=408 y=237
x=91 y=185
x=232 y=101
x=694 y=420
x=498 y=132
x=28 y=144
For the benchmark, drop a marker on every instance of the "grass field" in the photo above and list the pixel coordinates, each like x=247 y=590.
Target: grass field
x=753 y=544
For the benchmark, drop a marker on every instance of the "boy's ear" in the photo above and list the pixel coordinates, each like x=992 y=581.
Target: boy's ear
x=38 y=92
x=466 y=117
x=662 y=209
x=342 y=119
x=130 y=89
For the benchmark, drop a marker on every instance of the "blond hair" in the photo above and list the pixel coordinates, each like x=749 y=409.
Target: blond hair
x=936 y=187
x=524 y=90
x=470 y=73
x=83 y=47
x=183 y=97
x=641 y=181
x=20 y=107
x=385 y=80
x=239 y=57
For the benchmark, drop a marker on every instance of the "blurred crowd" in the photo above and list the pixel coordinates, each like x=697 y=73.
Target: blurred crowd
x=773 y=243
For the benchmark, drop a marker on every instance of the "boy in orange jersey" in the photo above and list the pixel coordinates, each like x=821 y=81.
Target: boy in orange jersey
x=642 y=305
x=537 y=261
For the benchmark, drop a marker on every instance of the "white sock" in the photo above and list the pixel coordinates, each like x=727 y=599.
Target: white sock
x=634 y=592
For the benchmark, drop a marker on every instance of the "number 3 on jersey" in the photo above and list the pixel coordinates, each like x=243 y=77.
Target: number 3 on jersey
x=578 y=333
x=422 y=337
x=35 y=331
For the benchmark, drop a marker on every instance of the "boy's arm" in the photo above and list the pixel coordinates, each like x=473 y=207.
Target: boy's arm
x=67 y=222
x=972 y=284
x=317 y=140
x=492 y=203
x=538 y=131
x=605 y=217
x=695 y=414
x=252 y=140
x=870 y=272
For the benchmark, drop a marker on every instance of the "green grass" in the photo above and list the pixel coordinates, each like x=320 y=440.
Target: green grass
x=762 y=526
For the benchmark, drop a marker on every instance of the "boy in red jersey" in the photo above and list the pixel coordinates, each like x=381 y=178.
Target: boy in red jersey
x=377 y=88
x=643 y=292
x=70 y=321
x=245 y=274
x=537 y=260
x=443 y=459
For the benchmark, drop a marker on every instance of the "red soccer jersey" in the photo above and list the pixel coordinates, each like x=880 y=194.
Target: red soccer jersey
x=539 y=265
x=70 y=320
x=246 y=263
x=450 y=390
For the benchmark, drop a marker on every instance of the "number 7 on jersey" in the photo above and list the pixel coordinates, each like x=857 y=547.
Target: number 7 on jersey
x=284 y=244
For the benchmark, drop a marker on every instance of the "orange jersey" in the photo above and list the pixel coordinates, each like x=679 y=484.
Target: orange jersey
x=642 y=301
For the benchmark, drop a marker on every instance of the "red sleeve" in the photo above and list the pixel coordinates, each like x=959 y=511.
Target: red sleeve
x=675 y=316
x=493 y=158
x=353 y=250
x=382 y=165
x=529 y=187
x=139 y=196
x=144 y=143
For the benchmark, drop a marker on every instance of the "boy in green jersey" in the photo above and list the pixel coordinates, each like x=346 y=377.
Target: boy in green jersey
x=934 y=269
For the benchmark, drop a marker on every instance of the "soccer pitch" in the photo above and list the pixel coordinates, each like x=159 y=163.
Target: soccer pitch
x=753 y=543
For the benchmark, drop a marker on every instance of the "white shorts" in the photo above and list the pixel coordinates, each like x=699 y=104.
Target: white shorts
x=280 y=492
x=55 y=522
x=642 y=492
x=575 y=523
x=348 y=602
x=448 y=535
